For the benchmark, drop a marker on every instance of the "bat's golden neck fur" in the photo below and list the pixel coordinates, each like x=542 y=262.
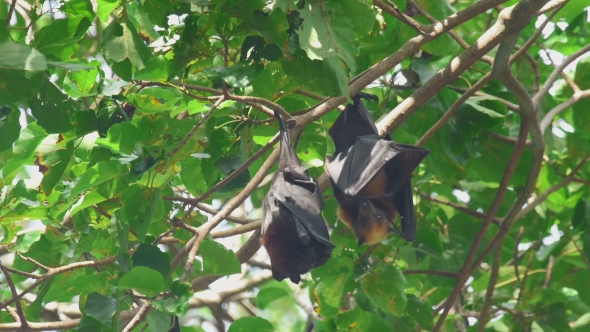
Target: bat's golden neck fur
x=367 y=227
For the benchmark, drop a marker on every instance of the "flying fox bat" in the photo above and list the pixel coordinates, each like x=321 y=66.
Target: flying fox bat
x=371 y=176
x=294 y=232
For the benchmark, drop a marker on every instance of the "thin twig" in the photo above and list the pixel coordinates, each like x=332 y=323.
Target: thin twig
x=19 y=309
x=460 y=207
x=194 y=129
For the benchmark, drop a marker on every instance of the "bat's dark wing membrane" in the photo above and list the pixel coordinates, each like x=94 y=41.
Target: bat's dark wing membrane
x=175 y=325
x=353 y=122
x=405 y=207
x=353 y=169
x=306 y=208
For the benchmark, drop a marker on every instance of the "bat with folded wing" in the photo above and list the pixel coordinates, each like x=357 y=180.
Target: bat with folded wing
x=371 y=176
x=294 y=232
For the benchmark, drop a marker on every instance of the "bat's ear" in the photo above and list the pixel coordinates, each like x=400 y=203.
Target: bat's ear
x=278 y=276
x=295 y=278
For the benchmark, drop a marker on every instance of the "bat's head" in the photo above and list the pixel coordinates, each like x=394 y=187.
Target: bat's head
x=369 y=223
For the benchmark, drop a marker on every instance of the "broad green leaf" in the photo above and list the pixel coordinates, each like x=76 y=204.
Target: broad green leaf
x=272 y=26
x=151 y=256
x=361 y=14
x=385 y=288
x=239 y=75
x=144 y=27
x=17 y=56
x=57 y=164
x=157 y=69
x=86 y=201
x=190 y=174
x=53 y=109
x=121 y=138
x=9 y=127
x=81 y=83
x=105 y=8
x=218 y=260
x=158 y=321
x=121 y=42
x=315 y=75
x=142 y=279
x=251 y=324
x=141 y=207
x=266 y=296
x=18 y=85
x=178 y=303
x=153 y=100
x=79 y=7
x=23 y=151
x=101 y=172
x=420 y=311
x=326 y=33
x=52 y=38
x=100 y=307
x=25 y=241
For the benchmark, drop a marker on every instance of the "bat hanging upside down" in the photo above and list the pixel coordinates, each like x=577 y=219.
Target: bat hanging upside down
x=371 y=176
x=294 y=232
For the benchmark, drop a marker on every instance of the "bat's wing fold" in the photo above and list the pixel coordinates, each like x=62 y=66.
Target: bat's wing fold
x=353 y=169
x=306 y=208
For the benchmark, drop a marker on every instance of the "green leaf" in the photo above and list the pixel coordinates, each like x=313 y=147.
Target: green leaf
x=23 y=151
x=121 y=138
x=105 y=8
x=315 y=75
x=9 y=127
x=151 y=256
x=100 y=307
x=158 y=321
x=272 y=26
x=81 y=83
x=21 y=57
x=218 y=260
x=251 y=324
x=266 y=296
x=122 y=42
x=190 y=174
x=25 y=241
x=79 y=7
x=153 y=100
x=157 y=69
x=142 y=279
x=327 y=32
x=57 y=163
x=53 y=109
x=101 y=172
x=19 y=85
x=385 y=288
x=157 y=11
x=420 y=311
x=142 y=206
x=179 y=302
x=361 y=14
x=52 y=38
x=239 y=75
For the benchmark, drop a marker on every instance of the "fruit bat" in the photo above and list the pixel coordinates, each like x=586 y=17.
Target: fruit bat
x=294 y=232
x=371 y=176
